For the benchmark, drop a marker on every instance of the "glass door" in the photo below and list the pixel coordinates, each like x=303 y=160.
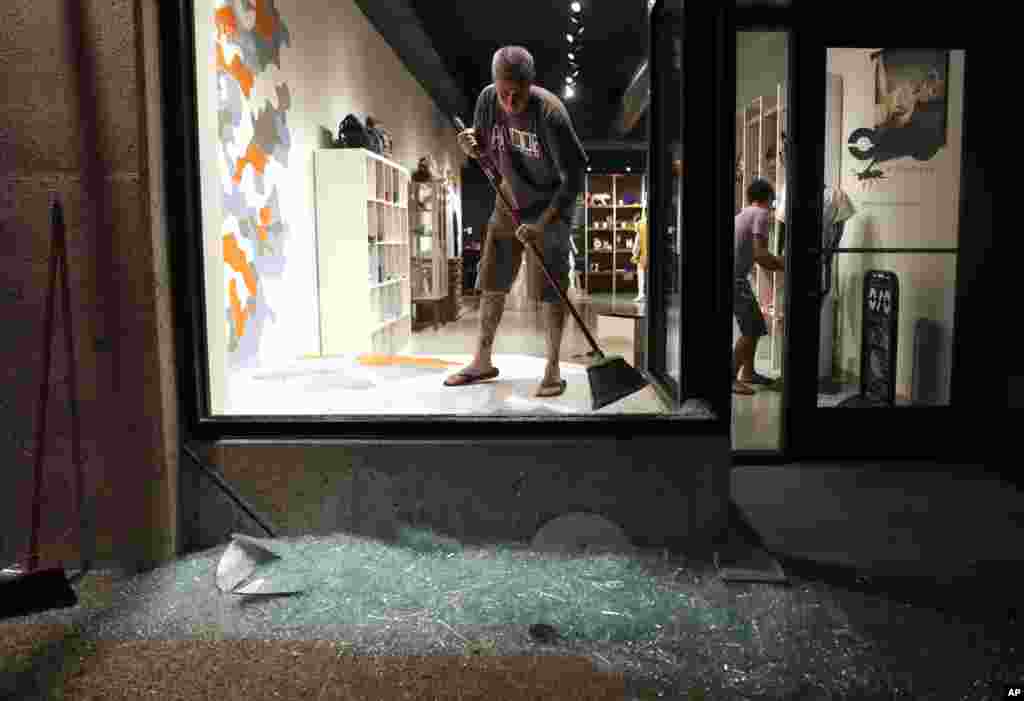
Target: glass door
x=876 y=242
x=665 y=200
x=691 y=108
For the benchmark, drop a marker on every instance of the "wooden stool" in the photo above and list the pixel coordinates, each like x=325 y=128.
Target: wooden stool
x=434 y=303
x=634 y=312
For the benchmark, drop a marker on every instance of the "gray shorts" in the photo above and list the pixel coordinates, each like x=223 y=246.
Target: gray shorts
x=747 y=310
x=503 y=254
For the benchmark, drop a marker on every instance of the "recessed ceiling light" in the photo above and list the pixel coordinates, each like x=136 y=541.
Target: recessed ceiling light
x=589 y=169
x=569 y=92
x=569 y=80
x=575 y=7
x=568 y=38
x=628 y=169
x=572 y=56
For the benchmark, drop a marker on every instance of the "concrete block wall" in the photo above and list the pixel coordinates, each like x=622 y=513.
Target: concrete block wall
x=473 y=491
x=95 y=149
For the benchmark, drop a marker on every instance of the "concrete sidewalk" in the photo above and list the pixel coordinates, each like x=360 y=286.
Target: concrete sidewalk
x=883 y=519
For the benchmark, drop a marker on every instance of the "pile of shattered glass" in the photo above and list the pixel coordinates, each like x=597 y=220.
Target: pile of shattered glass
x=681 y=629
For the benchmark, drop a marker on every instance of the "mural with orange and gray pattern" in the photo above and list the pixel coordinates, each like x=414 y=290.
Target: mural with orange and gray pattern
x=249 y=37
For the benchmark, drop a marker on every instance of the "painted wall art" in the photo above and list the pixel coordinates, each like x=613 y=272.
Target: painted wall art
x=910 y=100
x=253 y=228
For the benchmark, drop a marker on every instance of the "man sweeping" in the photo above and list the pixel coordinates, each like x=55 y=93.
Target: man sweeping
x=527 y=133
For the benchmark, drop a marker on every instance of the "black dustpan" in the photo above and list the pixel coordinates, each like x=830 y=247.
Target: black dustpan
x=22 y=594
x=611 y=378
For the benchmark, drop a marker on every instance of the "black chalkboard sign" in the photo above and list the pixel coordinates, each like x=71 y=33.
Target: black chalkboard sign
x=878 y=340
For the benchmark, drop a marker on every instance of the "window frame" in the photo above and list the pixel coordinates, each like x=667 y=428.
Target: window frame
x=184 y=224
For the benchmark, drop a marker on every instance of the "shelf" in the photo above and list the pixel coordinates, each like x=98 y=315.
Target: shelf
x=379 y=285
x=617 y=218
x=360 y=194
x=384 y=324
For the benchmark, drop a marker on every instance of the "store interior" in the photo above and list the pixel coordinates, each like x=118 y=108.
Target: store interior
x=347 y=272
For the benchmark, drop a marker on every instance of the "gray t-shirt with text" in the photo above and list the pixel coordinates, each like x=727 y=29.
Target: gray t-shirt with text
x=538 y=154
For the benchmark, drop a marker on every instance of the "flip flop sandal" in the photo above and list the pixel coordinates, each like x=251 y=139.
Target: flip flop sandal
x=462 y=378
x=544 y=390
x=759 y=380
x=741 y=388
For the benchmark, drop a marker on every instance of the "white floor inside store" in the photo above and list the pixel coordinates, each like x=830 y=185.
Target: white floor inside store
x=756 y=418
x=342 y=385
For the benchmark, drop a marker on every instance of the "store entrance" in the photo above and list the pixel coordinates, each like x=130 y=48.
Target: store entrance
x=759 y=233
x=874 y=331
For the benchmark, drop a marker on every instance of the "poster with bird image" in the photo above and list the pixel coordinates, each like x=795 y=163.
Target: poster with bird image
x=910 y=106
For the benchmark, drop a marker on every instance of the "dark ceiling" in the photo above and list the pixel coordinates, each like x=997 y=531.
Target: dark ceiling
x=466 y=33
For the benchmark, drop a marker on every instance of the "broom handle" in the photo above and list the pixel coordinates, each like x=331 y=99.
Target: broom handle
x=44 y=395
x=84 y=526
x=533 y=248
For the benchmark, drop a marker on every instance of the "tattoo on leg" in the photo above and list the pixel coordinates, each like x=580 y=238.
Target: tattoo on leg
x=554 y=318
x=491 y=307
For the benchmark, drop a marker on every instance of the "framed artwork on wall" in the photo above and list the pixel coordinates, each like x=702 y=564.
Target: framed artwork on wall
x=910 y=100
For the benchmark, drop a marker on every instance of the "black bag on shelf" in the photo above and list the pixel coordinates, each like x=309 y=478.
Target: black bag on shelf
x=352 y=133
x=375 y=135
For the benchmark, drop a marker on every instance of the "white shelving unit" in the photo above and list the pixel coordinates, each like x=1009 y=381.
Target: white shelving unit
x=758 y=142
x=609 y=232
x=429 y=235
x=362 y=225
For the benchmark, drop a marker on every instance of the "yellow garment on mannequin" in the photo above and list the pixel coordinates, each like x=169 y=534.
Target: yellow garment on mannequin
x=640 y=257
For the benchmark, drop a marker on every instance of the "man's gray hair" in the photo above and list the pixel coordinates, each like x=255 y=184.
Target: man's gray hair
x=513 y=63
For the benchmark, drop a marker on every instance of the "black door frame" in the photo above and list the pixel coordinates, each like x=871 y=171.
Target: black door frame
x=922 y=433
x=929 y=434
x=705 y=256
x=180 y=100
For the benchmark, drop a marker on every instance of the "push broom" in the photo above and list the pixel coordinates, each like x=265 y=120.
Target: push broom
x=32 y=590
x=611 y=377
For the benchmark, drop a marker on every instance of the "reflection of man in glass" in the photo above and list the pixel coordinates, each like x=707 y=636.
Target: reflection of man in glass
x=751 y=247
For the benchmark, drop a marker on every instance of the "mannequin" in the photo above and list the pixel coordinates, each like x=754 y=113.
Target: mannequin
x=640 y=254
x=575 y=276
